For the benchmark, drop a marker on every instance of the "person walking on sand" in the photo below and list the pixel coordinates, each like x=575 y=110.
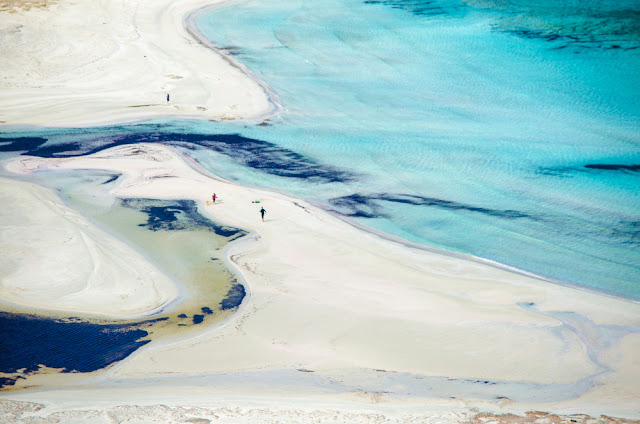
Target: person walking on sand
x=167 y=97
x=262 y=211
x=214 y=198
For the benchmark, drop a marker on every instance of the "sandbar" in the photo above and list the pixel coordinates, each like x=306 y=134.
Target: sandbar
x=54 y=258
x=335 y=311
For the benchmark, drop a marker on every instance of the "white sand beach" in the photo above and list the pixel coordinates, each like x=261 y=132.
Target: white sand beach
x=87 y=62
x=336 y=314
x=339 y=325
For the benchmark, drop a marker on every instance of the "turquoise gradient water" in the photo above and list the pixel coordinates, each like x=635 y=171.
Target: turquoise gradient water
x=506 y=130
x=468 y=110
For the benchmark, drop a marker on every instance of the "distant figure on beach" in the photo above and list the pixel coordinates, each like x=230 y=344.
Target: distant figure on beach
x=262 y=211
x=167 y=97
x=214 y=198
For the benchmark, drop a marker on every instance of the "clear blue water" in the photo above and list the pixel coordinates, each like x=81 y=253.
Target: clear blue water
x=507 y=130
x=474 y=126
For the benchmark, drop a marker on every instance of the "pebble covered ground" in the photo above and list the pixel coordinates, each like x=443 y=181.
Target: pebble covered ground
x=34 y=413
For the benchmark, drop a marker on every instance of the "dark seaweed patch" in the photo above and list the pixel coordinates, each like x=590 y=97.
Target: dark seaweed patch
x=182 y=316
x=112 y=179
x=613 y=167
x=206 y=310
x=625 y=231
x=59 y=150
x=264 y=156
x=556 y=171
x=258 y=154
x=5 y=381
x=424 y=8
x=164 y=218
x=357 y=206
x=234 y=297
x=591 y=167
x=197 y=319
x=603 y=26
x=175 y=215
x=576 y=42
x=230 y=50
x=29 y=341
x=365 y=206
x=18 y=144
x=447 y=204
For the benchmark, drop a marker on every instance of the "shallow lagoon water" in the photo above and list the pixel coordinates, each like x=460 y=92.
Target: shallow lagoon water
x=173 y=235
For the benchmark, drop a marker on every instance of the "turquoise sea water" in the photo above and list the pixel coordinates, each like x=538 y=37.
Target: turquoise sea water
x=507 y=130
